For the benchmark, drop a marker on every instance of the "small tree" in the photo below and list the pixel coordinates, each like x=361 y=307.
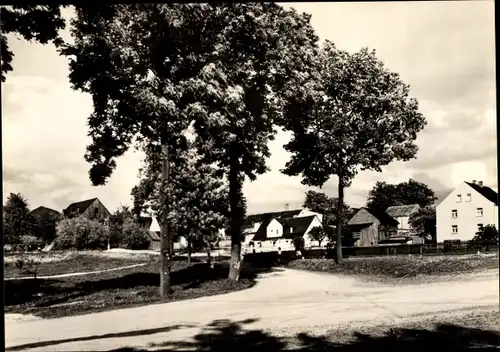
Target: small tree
x=317 y=234
x=17 y=221
x=488 y=235
x=134 y=236
x=81 y=233
x=357 y=116
x=423 y=222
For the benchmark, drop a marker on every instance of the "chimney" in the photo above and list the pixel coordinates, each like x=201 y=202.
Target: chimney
x=480 y=183
x=474 y=181
x=287 y=206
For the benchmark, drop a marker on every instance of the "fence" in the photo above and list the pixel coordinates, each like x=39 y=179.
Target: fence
x=270 y=258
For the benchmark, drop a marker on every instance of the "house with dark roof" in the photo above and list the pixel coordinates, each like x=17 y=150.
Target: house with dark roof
x=279 y=232
x=369 y=227
x=46 y=221
x=46 y=213
x=90 y=208
x=402 y=214
x=465 y=211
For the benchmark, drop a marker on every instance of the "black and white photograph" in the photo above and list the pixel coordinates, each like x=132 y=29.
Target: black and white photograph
x=250 y=176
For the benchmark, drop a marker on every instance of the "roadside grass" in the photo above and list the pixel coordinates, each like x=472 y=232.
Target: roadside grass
x=70 y=262
x=400 y=267
x=51 y=298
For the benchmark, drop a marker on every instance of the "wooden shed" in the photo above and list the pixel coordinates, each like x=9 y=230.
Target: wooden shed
x=368 y=227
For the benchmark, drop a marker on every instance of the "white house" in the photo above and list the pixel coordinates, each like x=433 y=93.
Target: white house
x=468 y=208
x=402 y=214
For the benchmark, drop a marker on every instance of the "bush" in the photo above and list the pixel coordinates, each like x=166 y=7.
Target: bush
x=134 y=236
x=31 y=243
x=81 y=233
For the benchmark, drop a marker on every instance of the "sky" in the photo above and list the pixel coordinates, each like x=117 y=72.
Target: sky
x=443 y=50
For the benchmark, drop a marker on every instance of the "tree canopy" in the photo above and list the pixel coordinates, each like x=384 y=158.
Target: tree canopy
x=17 y=221
x=384 y=195
x=423 y=222
x=357 y=116
x=32 y=22
x=319 y=202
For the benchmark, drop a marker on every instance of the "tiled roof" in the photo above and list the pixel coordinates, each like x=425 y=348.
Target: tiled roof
x=383 y=217
x=367 y=217
x=299 y=226
x=78 y=207
x=251 y=219
x=402 y=210
x=44 y=211
x=485 y=191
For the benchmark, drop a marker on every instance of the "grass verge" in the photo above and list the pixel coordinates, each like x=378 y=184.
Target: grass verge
x=51 y=298
x=400 y=267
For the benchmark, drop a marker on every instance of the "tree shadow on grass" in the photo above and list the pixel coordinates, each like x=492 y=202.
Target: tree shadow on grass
x=224 y=335
x=47 y=292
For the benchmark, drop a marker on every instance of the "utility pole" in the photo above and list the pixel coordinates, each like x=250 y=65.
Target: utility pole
x=165 y=247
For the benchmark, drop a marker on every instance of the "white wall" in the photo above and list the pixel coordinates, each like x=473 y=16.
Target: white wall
x=307 y=240
x=467 y=220
x=274 y=229
x=403 y=222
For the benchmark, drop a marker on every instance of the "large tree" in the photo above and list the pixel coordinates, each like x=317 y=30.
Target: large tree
x=32 y=22
x=384 y=195
x=321 y=203
x=198 y=196
x=358 y=116
x=17 y=221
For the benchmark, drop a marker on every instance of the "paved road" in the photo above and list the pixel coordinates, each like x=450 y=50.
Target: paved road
x=284 y=303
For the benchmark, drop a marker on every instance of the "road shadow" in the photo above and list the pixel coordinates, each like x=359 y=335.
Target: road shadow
x=224 y=335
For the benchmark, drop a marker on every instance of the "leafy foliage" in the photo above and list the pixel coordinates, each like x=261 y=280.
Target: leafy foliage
x=317 y=234
x=33 y=22
x=384 y=195
x=133 y=235
x=31 y=242
x=17 y=221
x=81 y=233
x=44 y=227
x=357 y=116
x=489 y=234
x=319 y=202
x=423 y=221
x=116 y=223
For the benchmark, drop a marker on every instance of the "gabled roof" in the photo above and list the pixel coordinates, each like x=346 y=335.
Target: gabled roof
x=45 y=212
x=383 y=217
x=299 y=225
x=485 y=191
x=402 y=210
x=79 y=207
x=380 y=215
x=261 y=234
x=251 y=219
x=154 y=235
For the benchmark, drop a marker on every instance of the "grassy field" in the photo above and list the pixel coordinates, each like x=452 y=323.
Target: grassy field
x=400 y=267
x=115 y=289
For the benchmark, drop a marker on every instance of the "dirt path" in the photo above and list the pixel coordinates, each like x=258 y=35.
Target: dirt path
x=284 y=303
x=75 y=274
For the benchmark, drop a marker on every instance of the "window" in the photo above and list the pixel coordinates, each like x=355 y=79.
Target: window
x=454 y=213
x=291 y=229
x=277 y=231
x=479 y=211
x=468 y=199
x=480 y=227
x=459 y=198
x=454 y=228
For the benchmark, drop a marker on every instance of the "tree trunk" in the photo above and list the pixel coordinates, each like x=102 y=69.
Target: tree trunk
x=189 y=248
x=165 y=247
x=236 y=218
x=340 y=205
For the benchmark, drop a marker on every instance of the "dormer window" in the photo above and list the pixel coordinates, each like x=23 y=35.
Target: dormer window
x=468 y=199
x=459 y=198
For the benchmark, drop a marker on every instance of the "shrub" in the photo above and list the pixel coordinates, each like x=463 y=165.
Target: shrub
x=81 y=233
x=134 y=236
x=31 y=242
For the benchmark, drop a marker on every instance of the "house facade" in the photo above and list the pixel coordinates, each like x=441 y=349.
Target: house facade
x=90 y=208
x=267 y=232
x=369 y=227
x=402 y=214
x=468 y=208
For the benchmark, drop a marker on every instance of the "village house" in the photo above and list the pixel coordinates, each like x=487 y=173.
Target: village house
x=90 y=208
x=465 y=211
x=370 y=227
x=402 y=214
x=269 y=231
